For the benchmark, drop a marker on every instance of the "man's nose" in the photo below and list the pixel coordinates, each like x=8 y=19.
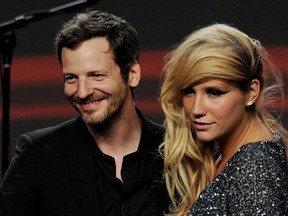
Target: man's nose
x=84 y=89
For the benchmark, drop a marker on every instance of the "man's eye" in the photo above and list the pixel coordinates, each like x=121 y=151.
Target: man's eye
x=70 y=79
x=187 y=91
x=98 y=77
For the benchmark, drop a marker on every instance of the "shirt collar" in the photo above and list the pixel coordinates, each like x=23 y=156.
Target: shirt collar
x=145 y=139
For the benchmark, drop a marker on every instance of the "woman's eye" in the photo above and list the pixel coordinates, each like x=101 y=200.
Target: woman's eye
x=188 y=91
x=215 y=92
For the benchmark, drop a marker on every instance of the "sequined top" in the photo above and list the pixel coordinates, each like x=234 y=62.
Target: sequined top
x=253 y=182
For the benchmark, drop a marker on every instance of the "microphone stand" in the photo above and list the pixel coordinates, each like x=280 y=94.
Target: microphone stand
x=7 y=46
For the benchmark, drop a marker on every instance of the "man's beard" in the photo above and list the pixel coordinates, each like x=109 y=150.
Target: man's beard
x=109 y=113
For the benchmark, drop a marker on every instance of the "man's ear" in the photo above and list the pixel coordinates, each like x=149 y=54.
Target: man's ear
x=254 y=91
x=134 y=75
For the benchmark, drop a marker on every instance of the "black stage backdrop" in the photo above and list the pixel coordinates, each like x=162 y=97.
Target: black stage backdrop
x=36 y=82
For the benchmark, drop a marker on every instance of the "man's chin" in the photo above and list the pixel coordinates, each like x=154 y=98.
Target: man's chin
x=92 y=119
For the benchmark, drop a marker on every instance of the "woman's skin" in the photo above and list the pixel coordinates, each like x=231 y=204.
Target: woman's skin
x=218 y=110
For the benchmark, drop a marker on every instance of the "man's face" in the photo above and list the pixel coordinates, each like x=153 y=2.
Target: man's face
x=93 y=82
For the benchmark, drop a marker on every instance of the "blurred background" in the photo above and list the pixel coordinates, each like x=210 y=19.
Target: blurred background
x=36 y=96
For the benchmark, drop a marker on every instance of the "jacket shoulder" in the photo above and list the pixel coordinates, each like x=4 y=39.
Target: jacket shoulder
x=67 y=130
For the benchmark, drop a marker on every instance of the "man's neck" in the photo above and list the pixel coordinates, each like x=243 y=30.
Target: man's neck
x=118 y=139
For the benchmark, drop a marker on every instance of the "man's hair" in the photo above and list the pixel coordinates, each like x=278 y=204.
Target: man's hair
x=122 y=37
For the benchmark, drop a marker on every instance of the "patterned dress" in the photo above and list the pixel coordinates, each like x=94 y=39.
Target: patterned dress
x=253 y=182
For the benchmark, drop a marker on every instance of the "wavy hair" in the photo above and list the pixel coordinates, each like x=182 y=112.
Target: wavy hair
x=215 y=51
x=121 y=35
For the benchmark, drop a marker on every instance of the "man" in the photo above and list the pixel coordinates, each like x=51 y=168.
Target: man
x=105 y=162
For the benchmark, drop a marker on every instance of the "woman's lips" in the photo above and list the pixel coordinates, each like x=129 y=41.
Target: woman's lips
x=201 y=125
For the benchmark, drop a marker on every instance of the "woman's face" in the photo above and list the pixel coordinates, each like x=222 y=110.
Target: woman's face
x=216 y=108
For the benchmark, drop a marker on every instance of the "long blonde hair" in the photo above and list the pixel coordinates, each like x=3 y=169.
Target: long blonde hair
x=218 y=51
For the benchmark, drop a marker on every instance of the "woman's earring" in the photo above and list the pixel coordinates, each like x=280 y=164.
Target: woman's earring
x=250 y=103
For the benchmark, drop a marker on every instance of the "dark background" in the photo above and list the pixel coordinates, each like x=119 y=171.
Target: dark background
x=36 y=82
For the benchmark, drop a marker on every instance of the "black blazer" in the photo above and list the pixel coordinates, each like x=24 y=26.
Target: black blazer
x=53 y=173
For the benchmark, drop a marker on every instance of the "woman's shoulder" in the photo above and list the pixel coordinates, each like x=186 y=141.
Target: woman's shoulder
x=259 y=158
x=261 y=150
x=259 y=167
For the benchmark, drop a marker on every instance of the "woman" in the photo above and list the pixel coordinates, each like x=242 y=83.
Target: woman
x=224 y=153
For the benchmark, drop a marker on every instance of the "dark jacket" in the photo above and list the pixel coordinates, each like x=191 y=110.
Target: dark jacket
x=53 y=172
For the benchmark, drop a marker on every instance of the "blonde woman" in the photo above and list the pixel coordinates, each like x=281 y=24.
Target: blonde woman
x=224 y=152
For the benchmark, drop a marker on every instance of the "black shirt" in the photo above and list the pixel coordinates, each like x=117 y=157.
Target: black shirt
x=142 y=189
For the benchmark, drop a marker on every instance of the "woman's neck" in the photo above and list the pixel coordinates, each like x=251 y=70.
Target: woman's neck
x=253 y=131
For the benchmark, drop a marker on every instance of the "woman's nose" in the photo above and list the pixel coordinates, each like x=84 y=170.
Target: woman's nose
x=198 y=106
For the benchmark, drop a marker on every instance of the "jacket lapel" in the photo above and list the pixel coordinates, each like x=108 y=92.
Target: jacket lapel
x=81 y=168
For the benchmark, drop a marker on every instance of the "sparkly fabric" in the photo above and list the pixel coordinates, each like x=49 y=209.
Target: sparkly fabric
x=253 y=182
